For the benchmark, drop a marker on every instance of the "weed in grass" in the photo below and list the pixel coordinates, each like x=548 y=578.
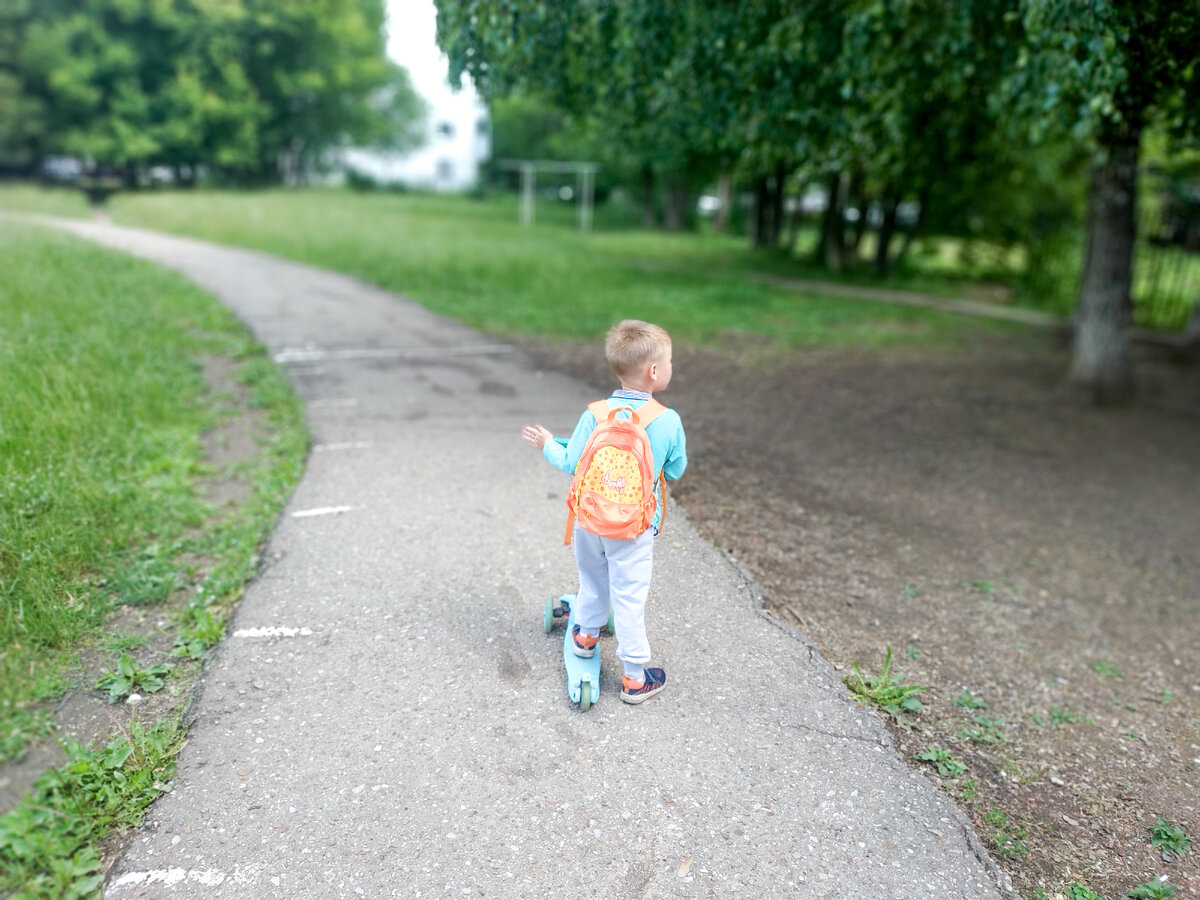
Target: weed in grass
x=967 y=700
x=945 y=763
x=199 y=630
x=1078 y=891
x=912 y=652
x=1165 y=697
x=985 y=587
x=983 y=731
x=1169 y=839
x=884 y=691
x=123 y=641
x=1155 y=889
x=21 y=728
x=50 y=844
x=911 y=592
x=1006 y=834
x=1037 y=720
x=968 y=791
x=1122 y=704
x=1065 y=716
x=151 y=575
x=1129 y=735
x=127 y=678
x=1107 y=669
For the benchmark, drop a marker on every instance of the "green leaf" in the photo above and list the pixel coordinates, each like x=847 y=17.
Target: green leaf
x=127 y=666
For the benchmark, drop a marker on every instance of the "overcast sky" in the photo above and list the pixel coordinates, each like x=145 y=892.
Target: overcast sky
x=412 y=42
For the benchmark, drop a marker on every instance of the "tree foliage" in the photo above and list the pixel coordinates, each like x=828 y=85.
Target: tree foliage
x=976 y=114
x=249 y=87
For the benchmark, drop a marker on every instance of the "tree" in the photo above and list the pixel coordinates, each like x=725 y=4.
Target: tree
x=1106 y=70
x=247 y=87
x=640 y=73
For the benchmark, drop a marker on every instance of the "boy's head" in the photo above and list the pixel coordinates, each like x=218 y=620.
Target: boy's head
x=632 y=346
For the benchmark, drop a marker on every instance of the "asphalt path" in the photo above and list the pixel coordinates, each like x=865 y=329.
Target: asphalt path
x=388 y=719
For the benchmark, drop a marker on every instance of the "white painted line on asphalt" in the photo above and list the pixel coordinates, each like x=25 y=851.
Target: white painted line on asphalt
x=272 y=631
x=345 y=445
x=321 y=511
x=308 y=354
x=174 y=876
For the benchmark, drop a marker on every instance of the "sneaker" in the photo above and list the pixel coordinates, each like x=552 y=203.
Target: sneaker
x=584 y=645
x=637 y=691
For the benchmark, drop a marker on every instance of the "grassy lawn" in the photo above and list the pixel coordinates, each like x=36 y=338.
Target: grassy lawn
x=459 y=255
x=470 y=260
x=102 y=468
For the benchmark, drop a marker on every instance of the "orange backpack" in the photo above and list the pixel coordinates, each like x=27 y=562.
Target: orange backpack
x=612 y=493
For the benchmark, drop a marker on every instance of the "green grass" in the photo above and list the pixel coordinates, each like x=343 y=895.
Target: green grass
x=50 y=843
x=470 y=259
x=1169 y=839
x=101 y=477
x=26 y=198
x=884 y=691
x=103 y=410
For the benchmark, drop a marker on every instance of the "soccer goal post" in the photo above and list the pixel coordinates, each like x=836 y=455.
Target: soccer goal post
x=585 y=186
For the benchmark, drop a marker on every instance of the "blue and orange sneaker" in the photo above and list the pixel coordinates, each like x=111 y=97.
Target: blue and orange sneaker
x=639 y=691
x=584 y=645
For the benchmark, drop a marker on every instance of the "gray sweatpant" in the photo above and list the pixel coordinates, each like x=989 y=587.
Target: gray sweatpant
x=616 y=572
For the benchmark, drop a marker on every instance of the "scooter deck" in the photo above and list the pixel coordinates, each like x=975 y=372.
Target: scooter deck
x=583 y=675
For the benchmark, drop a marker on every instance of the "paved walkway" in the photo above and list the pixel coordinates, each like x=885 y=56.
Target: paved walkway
x=387 y=718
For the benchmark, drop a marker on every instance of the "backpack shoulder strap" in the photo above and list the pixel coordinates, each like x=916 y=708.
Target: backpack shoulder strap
x=649 y=411
x=600 y=409
x=646 y=413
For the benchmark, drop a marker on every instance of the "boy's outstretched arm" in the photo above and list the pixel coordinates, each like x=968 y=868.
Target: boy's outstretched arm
x=537 y=435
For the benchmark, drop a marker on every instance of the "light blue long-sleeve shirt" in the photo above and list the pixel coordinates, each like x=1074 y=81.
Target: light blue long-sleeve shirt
x=668 y=444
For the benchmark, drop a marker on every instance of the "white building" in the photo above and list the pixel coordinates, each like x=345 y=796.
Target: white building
x=458 y=133
x=457 y=141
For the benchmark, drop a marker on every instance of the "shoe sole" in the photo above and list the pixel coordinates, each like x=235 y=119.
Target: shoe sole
x=582 y=654
x=642 y=697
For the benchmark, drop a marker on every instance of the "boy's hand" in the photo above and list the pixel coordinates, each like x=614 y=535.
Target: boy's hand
x=537 y=435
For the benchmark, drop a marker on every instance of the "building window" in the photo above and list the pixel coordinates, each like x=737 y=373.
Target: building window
x=446 y=129
x=481 y=127
x=445 y=170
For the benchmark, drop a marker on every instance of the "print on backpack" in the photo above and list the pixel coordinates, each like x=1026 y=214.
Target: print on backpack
x=612 y=494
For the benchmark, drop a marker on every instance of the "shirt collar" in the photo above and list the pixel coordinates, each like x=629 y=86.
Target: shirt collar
x=623 y=394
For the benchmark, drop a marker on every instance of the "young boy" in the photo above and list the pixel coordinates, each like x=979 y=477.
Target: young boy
x=612 y=571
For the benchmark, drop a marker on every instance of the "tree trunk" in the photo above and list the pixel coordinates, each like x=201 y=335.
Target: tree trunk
x=724 y=202
x=1101 y=363
x=887 y=229
x=758 y=224
x=794 y=220
x=856 y=196
x=911 y=234
x=676 y=202
x=777 y=203
x=830 y=251
x=649 y=217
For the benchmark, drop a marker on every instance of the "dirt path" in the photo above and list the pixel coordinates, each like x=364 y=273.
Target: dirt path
x=1000 y=539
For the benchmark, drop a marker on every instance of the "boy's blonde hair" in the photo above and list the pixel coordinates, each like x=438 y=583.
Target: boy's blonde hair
x=632 y=344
